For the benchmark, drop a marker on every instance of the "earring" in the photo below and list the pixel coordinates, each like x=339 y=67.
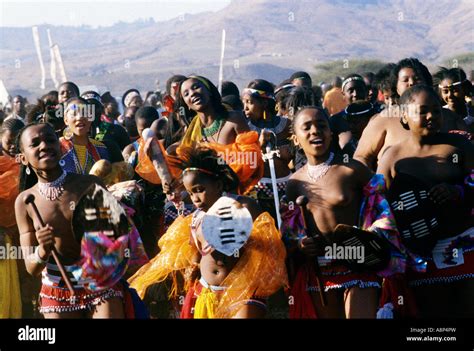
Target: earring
x=28 y=171
x=67 y=133
x=264 y=115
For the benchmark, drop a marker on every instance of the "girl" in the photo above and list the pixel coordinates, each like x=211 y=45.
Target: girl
x=54 y=193
x=66 y=91
x=10 y=296
x=199 y=103
x=225 y=131
x=220 y=285
x=8 y=133
x=102 y=129
x=259 y=108
x=384 y=129
x=337 y=192
x=79 y=152
x=430 y=183
x=131 y=98
x=453 y=88
x=353 y=89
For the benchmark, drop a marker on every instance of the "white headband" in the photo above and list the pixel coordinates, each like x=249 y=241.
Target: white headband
x=351 y=79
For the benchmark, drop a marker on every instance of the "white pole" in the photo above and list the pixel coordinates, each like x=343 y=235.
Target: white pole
x=40 y=58
x=59 y=60
x=221 y=68
x=52 y=69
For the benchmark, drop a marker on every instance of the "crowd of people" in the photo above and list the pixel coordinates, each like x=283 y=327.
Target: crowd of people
x=352 y=199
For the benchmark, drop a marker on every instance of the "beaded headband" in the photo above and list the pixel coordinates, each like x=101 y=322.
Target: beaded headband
x=258 y=93
x=202 y=170
x=351 y=79
x=451 y=85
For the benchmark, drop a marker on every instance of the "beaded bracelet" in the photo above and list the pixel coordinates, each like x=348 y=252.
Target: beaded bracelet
x=38 y=259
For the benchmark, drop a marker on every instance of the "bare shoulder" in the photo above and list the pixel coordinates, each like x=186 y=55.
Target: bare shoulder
x=293 y=185
x=20 y=205
x=391 y=153
x=237 y=118
x=378 y=120
x=360 y=171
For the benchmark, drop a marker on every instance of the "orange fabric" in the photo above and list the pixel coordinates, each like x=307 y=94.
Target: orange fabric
x=176 y=254
x=9 y=180
x=260 y=270
x=244 y=156
x=145 y=168
x=333 y=101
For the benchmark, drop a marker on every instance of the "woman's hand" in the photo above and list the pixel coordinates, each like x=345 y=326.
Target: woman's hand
x=308 y=246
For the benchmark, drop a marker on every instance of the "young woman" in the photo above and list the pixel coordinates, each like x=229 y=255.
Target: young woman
x=353 y=89
x=102 y=129
x=453 y=88
x=79 y=152
x=259 y=108
x=225 y=131
x=199 y=102
x=220 y=285
x=338 y=192
x=384 y=129
x=111 y=109
x=10 y=298
x=430 y=180
x=131 y=98
x=8 y=133
x=66 y=91
x=54 y=193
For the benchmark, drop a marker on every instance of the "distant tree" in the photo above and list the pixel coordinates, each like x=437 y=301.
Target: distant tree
x=328 y=70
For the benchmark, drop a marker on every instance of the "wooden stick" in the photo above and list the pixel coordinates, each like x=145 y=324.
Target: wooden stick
x=302 y=201
x=30 y=200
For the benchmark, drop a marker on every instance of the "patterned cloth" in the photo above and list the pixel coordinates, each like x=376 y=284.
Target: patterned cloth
x=171 y=212
x=70 y=161
x=446 y=265
x=264 y=188
x=104 y=261
x=375 y=216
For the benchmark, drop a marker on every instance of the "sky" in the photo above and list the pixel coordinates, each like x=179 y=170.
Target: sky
x=22 y=13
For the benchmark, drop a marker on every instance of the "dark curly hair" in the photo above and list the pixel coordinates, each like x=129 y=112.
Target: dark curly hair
x=205 y=158
x=420 y=70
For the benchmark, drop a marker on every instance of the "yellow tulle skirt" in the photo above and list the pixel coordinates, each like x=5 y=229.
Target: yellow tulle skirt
x=259 y=272
x=10 y=297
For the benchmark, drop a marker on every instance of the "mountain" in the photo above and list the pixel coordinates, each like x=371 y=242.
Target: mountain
x=265 y=39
